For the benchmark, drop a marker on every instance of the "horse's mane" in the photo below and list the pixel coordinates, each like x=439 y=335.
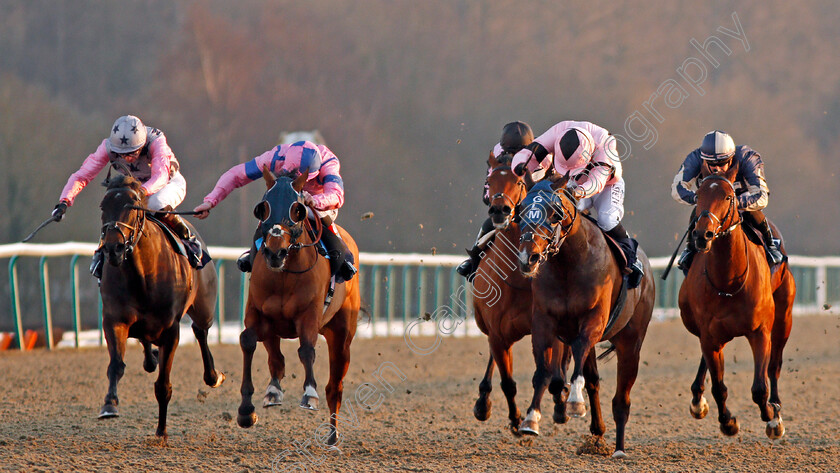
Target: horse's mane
x=290 y=173
x=504 y=159
x=120 y=181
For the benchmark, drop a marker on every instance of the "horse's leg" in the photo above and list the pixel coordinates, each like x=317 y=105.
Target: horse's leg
x=277 y=368
x=483 y=405
x=504 y=360
x=542 y=339
x=783 y=298
x=115 y=337
x=760 y=344
x=163 y=388
x=561 y=355
x=713 y=353
x=581 y=348
x=246 y=416
x=306 y=353
x=699 y=407
x=201 y=314
x=150 y=356
x=628 y=346
x=593 y=386
x=338 y=338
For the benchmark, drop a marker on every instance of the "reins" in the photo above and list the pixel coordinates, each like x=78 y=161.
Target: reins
x=135 y=231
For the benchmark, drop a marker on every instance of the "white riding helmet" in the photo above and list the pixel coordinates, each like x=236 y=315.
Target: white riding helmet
x=128 y=134
x=576 y=147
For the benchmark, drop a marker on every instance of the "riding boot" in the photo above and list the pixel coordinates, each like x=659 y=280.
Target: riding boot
x=246 y=261
x=634 y=267
x=182 y=231
x=687 y=255
x=341 y=260
x=771 y=243
x=97 y=263
x=470 y=265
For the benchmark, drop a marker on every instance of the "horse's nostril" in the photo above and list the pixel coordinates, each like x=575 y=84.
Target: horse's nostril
x=506 y=209
x=708 y=235
x=533 y=259
x=119 y=247
x=282 y=253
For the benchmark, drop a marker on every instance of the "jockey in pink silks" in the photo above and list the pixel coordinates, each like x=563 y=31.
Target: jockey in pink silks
x=587 y=153
x=141 y=152
x=323 y=194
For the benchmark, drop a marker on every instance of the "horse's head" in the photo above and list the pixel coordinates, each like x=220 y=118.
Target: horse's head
x=717 y=209
x=548 y=215
x=281 y=213
x=122 y=222
x=505 y=188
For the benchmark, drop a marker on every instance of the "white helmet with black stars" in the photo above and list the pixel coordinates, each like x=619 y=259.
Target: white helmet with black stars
x=128 y=134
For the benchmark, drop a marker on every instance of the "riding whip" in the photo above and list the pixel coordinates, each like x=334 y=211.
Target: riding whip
x=46 y=222
x=674 y=256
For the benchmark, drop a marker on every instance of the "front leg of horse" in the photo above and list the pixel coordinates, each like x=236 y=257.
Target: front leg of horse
x=306 y=353
x=699 y=407
x=593 y=386
x=163 y=388
x=561 y=356
x=277 y=367
x=115 y=336
x=248 y=342
x=150 y=356
x=504 y=360
x=483 y=405
x=760 y=344
x=714 y=361
x=541 y=342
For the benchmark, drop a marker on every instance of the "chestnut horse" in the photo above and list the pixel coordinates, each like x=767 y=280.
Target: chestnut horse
x=286 y=299
x=502 y=297
x=577 y=282
x=146 y=288
x=729 y=292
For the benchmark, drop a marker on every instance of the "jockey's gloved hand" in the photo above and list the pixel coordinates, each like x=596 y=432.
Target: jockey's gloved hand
x=143 y=193
x=519 y=170
x=308 y=200
x=59 y=211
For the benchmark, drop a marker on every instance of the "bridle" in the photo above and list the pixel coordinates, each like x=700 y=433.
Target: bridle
x=719 y=231
x=559 y=232
x=294 y=232
x=134 y=231
x=501 y=195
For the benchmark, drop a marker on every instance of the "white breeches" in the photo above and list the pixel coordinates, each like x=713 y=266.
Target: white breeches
x=172 y=194
x=332 y=214
x=608 y=205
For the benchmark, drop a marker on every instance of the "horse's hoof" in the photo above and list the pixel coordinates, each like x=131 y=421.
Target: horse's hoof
x=482 y=409
x=560 y=415
x=699 y=410
x=775 y=428
x=576 y=409
x=247 y=420
x=220 y=378
x=108 y=411
x=531 y=424
x=619 y=454
x=273 y=397
x=309 y=403
x=730 y=428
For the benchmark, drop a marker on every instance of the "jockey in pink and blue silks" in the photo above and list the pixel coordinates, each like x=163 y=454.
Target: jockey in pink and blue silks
x=587 y=153
x=142 y=152
x=323 y=194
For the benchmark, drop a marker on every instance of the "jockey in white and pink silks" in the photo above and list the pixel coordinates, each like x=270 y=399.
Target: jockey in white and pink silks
x=587 y=153
x=142 y=152
x=323 y=193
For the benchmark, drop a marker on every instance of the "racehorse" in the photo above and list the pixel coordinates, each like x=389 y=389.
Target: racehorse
x=730 y=292
x=146 y=288
x=577 y=283
x=288 y=298
x=502 y=297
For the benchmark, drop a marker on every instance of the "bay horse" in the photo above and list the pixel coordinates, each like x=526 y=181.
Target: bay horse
x=286 y=299
x=146 y=288
x=502 y=297
x=577 y=281
x=730 y=292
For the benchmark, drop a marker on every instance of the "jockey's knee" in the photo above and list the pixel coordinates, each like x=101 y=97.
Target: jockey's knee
x=608 y=220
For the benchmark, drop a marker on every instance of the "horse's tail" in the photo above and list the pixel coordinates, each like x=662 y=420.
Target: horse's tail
x=606 y=353
x=365 y=309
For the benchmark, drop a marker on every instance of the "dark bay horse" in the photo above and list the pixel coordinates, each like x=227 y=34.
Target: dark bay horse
x=502 y=297
x=146 y=288
x=729 y=292
x=576 y=283
x=286 y=299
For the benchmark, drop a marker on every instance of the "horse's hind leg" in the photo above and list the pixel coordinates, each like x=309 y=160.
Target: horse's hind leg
x=115 y=336
x=338 y=338
x=163 y=388
x=504 y=360
x=783 y=298
x=593 y=386
x=699 y=407
x=201 y=313
x=483 y=405
x=760 y=343
x=626 y=371
x=713 y=354
x=561 y=356
x=212 y=378
x=277 y=368
x=542 y=335
x=248 y=342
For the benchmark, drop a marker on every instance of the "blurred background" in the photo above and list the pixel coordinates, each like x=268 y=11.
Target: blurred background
x=411 y=96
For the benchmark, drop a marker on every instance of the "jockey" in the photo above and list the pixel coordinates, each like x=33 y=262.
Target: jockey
x=142 y=152
x=515 y=136
x=717 y=152
x=587 y=153
x=323 y=194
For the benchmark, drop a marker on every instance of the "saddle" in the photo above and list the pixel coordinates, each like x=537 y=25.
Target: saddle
x=196 y=253
x=755 y=236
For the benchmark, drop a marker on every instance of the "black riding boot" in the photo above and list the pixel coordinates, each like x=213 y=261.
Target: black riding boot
x=772 y=244
x=182 y=231
x=628 y=246
x=687 y=255
x=96 y=263
x=469 y=266
x=246 y=260
x=341 y=264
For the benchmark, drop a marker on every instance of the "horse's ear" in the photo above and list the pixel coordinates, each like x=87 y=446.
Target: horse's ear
x=269 y=178
x=261 y=210
x=299 y=181
x=492 y=161
x=558 y=181
x=529 y=180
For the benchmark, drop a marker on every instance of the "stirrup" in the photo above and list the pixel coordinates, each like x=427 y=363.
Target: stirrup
x=347 y=270
x=637 y=272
